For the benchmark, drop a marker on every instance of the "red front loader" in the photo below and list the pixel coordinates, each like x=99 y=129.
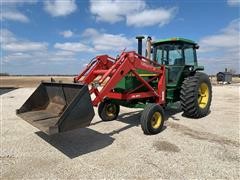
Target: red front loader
x=59 y=107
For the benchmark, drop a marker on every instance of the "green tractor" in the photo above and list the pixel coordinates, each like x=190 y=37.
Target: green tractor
x=169 y=73
x=184 y=82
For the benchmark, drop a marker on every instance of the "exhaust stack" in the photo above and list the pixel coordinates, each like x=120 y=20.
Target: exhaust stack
x=140 y=38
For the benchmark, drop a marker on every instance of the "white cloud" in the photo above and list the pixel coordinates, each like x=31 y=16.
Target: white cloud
x=107 y=42
x=67 y=33
x=151 y=17
x=233 y=2
x=10 y=43
x=60 y=7
x=114 y=10
x=26 y=54
x=6 y=36
x=61 y=56
x=39 y=57
x=11 y=12
x=13 y=2
x=25 y=46
x=228 y=38
x=111 y=42
x=221 y=50
x=64 y=53
x=22 y=56
x=72 y=46
x=96 y=42
x=13 y=16
x=19 y=56
x=16 y=49
x=90 y=32
x=136 y=13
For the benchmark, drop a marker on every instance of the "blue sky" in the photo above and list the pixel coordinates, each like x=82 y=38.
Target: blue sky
x=61 y=36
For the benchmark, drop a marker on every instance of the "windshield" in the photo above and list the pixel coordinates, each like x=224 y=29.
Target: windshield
x=175 y=57
x=175 y=54
x=168 y=54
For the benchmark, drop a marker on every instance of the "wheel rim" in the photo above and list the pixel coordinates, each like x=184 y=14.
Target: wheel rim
x=203 y=95
x=111 y=110
x=156 y=120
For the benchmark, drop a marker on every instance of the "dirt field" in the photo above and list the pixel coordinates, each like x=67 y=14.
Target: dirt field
x=33 y=81
x=206 y=148
x=30 y=81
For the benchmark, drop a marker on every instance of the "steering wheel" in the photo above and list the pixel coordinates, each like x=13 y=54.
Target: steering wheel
x=164 y=59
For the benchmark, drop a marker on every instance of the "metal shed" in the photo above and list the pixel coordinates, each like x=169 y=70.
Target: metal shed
x=225 y=77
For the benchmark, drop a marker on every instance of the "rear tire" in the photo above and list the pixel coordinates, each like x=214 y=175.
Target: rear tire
x=108 y=111
x=152 y=119
x=196 y=95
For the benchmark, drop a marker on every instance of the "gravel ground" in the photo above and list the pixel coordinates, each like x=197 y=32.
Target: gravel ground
x=186 y=149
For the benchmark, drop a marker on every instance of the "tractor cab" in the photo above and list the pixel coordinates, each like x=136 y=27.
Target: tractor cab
x=179 y=57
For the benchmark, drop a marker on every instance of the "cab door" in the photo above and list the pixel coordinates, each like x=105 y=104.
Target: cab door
x=175 y=65
x=173 y=59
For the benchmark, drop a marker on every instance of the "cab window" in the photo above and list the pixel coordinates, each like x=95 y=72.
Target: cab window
x=175 y=57
x=189 y=56
x=161 y=56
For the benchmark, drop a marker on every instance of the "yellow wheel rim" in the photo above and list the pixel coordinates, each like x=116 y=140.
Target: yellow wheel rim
x=156 y=120
x=110 y=110
x=203 y=95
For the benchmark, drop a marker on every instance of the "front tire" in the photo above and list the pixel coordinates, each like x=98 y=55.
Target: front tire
x=108 y=111
x=196 y=95
x=152 y=119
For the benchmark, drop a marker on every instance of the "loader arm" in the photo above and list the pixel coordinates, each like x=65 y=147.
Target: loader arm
x=107 y=72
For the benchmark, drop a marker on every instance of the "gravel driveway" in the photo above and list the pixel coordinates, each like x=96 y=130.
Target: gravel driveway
x=185 y=149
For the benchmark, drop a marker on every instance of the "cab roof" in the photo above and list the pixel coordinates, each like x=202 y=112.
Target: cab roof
x=174 y=39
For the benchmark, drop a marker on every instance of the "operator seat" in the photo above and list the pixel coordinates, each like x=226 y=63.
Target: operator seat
x=179 y=62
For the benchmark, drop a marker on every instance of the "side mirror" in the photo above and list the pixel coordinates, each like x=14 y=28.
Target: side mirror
x=196 y=46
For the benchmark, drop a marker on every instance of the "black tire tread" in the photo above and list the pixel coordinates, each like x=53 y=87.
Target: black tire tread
x=145 y=118
x=188 y=96
x=101 y=111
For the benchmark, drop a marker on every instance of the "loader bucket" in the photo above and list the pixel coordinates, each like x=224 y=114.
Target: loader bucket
x=58 y=107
